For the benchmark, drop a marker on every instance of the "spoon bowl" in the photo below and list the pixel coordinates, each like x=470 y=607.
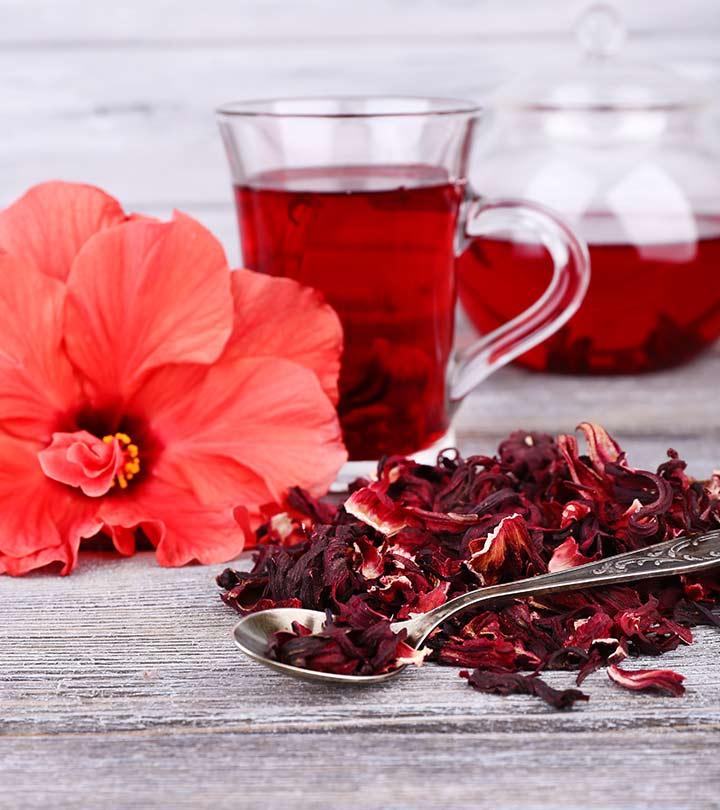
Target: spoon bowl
x=254 y=633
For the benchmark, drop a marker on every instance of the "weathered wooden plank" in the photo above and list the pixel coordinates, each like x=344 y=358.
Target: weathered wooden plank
x=648 y=413
x=121 y=684
x=255 y=22
x=125 y=645
x=661 y=770
x=140 y=123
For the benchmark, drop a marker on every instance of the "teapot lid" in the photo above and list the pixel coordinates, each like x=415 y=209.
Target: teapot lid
x=602 y=81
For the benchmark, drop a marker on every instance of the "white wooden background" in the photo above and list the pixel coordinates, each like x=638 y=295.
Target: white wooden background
x=121 y=92
x=119 y=686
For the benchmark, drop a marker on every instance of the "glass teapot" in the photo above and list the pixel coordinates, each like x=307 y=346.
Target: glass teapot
x=626 y=154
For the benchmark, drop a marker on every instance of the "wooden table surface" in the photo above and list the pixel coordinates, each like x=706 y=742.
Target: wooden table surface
x=120 y=687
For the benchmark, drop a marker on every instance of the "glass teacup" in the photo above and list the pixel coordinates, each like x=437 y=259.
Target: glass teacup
x=366 y=199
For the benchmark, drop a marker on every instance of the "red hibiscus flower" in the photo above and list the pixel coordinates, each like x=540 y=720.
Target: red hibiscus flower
x=145 y=387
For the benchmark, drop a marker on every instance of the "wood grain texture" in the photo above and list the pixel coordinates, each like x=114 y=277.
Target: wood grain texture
x=255 y=22
x=139 y=121
x=648 y=414
x=120 y=686
x=122 y=95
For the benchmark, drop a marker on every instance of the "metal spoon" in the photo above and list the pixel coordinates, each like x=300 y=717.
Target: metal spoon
x=680 y=556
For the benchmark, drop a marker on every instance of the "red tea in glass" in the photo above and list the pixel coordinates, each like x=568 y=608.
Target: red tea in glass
x=361 y=199
x=650 y=305
x=378 y=242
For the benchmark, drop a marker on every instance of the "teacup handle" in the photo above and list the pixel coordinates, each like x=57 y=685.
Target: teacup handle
x=559 y=302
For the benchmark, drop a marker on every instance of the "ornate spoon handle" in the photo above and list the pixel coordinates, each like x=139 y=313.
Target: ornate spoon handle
x=684 y=555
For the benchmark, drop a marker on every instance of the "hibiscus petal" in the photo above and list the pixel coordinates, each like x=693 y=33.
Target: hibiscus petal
x=267 y=416
x=215 y=479
x=409 y=655
x=41 y=521
x=49 y=224
x=142 y=295
x=37 y=383
x=373 y=506
x=377 y=509
x=122 y=538
x=182 y=529
x=568 y=555
x=663 y=681
x=506 y=552
x=80 y=459
x=603 y=449
x=513 y=683
x=303 y=327
x=485 y=653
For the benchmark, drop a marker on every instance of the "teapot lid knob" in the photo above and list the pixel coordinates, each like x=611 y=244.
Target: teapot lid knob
x=600 y=30
x=602 y=80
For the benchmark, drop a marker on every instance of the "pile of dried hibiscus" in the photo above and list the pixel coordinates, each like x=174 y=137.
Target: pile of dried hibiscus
x=421 y=535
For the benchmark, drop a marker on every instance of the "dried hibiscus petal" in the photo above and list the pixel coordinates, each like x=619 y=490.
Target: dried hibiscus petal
x=358 y=642
x=290 y=522
x=507 y=552
x=376 y=511
x=373 y=507
x=530 y=456
x=602 y=448
x=650 y=631
x=664 y=681
x=489 y=654
x=568 y=555
x=512 y=683
x=422 y=534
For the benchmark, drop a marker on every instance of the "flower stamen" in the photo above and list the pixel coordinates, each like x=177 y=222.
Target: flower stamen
x=131 y=466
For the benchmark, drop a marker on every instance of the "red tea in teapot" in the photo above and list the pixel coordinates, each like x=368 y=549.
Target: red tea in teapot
x=649 y=306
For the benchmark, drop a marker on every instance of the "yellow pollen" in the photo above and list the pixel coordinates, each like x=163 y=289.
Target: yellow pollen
x=131 y=466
